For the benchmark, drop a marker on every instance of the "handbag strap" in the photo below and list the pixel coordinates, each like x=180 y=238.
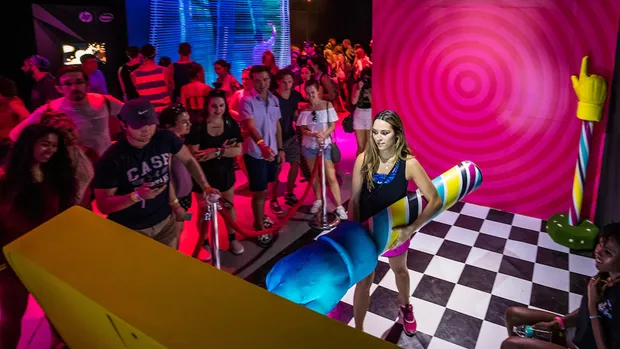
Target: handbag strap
x=334 y=139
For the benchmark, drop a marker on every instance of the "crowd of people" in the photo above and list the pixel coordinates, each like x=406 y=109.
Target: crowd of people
x=168 y=142
x=173 y=139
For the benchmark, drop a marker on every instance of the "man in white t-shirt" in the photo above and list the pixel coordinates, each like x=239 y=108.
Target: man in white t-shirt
x=90 y=112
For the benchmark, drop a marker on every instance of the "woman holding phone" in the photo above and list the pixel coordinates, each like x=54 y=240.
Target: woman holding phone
x=215 y=141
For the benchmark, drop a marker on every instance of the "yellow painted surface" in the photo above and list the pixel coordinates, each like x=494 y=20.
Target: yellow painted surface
x=105 y=286
x=398 y=213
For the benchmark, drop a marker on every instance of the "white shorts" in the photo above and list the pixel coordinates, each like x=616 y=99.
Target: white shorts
x=362 y=119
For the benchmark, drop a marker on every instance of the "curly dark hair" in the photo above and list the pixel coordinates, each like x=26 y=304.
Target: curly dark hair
x=58 y=173
x=611 y=230
x=170 y=115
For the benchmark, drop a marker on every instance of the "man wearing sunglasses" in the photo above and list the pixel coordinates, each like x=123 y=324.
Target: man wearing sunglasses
x=91 y=112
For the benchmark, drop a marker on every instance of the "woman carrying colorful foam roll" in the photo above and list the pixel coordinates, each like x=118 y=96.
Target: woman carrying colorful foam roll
x=380 y=178
x=318 y=275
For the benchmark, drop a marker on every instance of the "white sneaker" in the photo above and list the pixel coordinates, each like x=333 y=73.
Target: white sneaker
x=342 y=214
x=316 y=206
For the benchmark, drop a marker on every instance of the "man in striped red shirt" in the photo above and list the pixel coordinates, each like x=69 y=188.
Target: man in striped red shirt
x=153 y=81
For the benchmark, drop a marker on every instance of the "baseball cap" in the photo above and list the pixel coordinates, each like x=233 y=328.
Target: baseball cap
x=39 y=61
x=309 y=44
x=138 y=113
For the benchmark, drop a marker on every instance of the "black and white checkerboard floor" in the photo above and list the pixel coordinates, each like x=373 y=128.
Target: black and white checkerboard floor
x=466 y=267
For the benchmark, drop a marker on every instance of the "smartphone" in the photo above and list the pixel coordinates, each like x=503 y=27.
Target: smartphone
x=188 y=216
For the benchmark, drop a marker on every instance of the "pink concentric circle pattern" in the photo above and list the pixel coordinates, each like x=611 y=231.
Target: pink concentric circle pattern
x=490 y=83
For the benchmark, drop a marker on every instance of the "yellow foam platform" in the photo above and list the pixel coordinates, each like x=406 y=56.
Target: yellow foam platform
x=105 y=286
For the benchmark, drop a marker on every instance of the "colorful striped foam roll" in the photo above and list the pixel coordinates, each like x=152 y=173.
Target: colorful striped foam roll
x=452 y=186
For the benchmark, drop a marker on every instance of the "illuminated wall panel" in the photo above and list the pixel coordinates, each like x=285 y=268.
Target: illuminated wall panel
x=235 y=30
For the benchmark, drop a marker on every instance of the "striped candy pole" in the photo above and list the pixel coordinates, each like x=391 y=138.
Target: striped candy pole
x=580 y=172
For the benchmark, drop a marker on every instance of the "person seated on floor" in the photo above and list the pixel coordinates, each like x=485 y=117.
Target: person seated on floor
x=596 y=324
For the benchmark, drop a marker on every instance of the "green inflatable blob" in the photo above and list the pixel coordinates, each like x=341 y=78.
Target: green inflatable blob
x=580 y=237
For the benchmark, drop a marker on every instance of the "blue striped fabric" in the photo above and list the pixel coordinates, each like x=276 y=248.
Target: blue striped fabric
x=386 y=178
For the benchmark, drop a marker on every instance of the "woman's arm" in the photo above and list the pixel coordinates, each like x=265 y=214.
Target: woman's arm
x=329 y=94
x=354 y=202
x=305 y=131
x=570 y=320
x=233 y=114
x=599 y=334
x=184 y=100
x=19 y=109
x=355 y=95
x=120 y=81
x=415 y=171
x=594 y=296
x=331 y=125
x=231 y=151
x=177 y=210
x=201 y=155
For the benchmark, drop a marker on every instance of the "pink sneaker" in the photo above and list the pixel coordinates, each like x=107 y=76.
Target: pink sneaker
x=410 y=326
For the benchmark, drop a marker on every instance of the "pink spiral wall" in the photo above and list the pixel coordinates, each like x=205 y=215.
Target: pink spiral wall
x=490 y=82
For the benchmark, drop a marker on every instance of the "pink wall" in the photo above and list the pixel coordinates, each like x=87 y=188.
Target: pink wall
x=490 y=82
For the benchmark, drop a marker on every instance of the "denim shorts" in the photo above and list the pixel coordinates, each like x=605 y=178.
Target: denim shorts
x=311 y=153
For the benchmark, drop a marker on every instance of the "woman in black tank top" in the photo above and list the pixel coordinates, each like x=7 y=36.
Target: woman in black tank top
x=380 y=178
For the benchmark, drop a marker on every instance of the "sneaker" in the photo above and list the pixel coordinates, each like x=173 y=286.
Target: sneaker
x=275 y=208
x=236 y=247
x=409 y=324
x=316 y=206
x=342 y=213
x=267 y=222
x=265 y=241
x=290 y=199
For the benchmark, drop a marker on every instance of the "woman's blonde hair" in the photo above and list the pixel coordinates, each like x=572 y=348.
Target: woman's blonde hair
x=329 y=56
x=371 y=162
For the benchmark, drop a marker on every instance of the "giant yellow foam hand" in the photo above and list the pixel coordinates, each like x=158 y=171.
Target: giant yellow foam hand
x=591 y=91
